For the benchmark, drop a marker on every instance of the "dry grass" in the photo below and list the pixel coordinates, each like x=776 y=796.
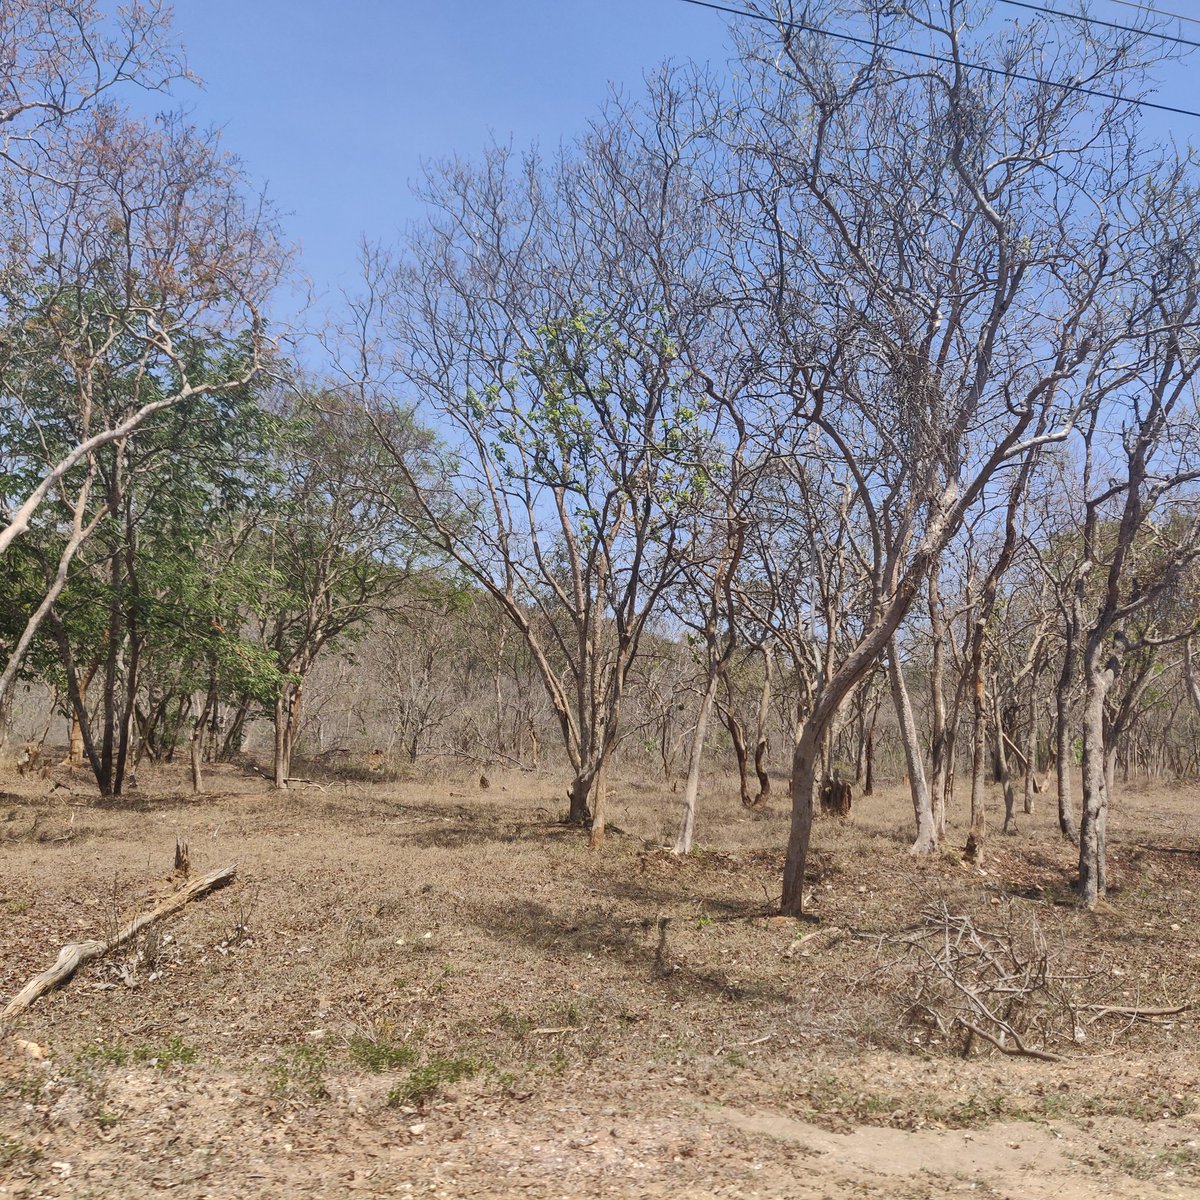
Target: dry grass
x=425 y=955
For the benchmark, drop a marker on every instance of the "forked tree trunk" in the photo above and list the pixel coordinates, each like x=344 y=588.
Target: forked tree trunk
x=737 y=735
x=926 y=840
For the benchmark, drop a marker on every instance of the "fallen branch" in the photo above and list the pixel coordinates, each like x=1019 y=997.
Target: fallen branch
x=1104 y=1010
x=1016 y=1048
x=73 y=955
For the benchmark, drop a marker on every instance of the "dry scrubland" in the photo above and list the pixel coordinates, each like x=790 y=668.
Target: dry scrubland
x=425 y=988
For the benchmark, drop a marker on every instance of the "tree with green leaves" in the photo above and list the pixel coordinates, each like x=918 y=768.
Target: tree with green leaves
x=538 y=319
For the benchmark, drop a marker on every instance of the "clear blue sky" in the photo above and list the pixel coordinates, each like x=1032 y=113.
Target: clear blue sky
x=335 y=103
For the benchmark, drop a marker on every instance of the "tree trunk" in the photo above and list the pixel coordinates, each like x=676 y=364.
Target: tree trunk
x=869 y=760
x=683 y=843
x=1062 y=732
x=761 y=736
x=579 y=796
x=978 y=759
x=1092 y=827
x=599 y=806
x=282 y=759
x=804 y=790
x=938 y=738
x=738 y=736
x=926 y=840
x=1010 y=797
x=111 y=668
x=197 y=735
x=1030 y=748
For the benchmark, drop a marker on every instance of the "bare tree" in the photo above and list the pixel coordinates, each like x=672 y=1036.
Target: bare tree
x=927 y=250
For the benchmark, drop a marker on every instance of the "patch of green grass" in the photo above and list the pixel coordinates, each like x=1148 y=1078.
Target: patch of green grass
x=299 y=1073
x=173 y=1050
x=13 y=1153
x=16 y=906
x=104 y=1054
x=377 y=1052
x=114 y=1054
x=425 y=1081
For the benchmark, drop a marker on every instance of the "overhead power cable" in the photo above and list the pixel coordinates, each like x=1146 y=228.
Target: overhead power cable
x=1150 y=33
x=939 y=58
x=1158 y=12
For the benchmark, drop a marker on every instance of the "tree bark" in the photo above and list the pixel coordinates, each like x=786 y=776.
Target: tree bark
x=1092 y=880
x=1010 y=797
x=926 y=840
x=687 y=829
x=804 y=790
x=1062 y=732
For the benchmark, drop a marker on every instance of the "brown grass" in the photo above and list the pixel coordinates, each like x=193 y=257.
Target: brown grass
x=426 y=956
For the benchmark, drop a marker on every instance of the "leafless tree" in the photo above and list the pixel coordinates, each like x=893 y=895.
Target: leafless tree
x=927 y=250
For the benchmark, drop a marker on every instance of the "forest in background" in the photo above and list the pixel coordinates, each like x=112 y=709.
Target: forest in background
x=835 y=404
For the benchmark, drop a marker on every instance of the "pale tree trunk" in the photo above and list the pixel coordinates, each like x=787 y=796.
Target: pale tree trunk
x=926 y=840
x=1010 y=796
x=938 y=742
x=195 y=756
x=683 y=843
x=1095 y=797
x=282 y=758
x=6 y=756
x=1030 y=747
x=599 y=806
x=978 y=761
x=1062 y=732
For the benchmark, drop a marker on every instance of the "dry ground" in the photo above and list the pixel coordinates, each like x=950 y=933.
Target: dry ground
x=422 y=988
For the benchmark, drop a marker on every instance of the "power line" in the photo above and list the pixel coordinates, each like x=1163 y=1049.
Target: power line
x=1055 y=12
x=1158 y=12
x=938 y=58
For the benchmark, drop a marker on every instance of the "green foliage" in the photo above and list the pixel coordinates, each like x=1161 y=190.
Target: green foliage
x=425 y=1081
x=380 y=1053
x=299 y=1073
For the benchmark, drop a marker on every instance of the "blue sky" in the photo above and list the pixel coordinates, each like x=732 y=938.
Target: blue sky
x=335 y=103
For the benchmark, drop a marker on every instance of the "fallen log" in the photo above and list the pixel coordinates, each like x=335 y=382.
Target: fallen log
x=73 y=955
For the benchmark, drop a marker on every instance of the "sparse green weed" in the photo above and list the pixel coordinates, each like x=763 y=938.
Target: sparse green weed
x=299 y=1073
x=378 y=1052
x=425 y=1081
